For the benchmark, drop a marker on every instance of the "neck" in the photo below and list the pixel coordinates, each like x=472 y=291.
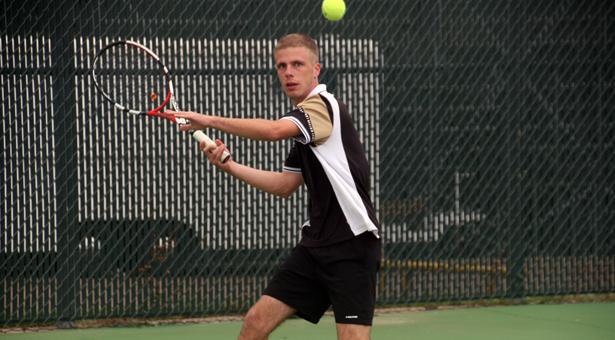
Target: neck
x=299 y=100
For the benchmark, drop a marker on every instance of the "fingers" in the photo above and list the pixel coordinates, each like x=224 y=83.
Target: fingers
x=207 y=149
x=186 y=127
x=220 y=152
x=181 y=118
x=213 y=152
x=180 y=114
x=195 y=121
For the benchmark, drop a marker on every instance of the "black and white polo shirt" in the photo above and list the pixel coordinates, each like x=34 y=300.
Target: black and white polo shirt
x=330 y=156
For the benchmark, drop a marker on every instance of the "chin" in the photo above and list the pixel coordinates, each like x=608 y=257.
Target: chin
x=292 y=95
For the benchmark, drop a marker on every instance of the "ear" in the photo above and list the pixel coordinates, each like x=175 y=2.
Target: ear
x=317 y=70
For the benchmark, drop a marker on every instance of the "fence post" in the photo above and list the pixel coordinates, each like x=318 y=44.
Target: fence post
x=65 y=136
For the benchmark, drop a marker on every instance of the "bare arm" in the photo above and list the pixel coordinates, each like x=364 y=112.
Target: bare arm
x=281 y=184
x=260 y=129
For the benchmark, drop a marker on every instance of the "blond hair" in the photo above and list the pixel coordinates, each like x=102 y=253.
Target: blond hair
x=297 y=40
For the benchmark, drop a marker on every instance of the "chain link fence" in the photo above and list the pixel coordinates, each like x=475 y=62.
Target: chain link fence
x=489 y=126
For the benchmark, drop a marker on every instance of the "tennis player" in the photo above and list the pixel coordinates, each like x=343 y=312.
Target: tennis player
x=336 y=260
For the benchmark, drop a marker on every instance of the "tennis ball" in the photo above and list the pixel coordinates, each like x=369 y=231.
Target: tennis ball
x=333 y=9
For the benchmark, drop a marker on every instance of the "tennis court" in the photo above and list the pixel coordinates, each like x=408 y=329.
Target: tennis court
x=587 y=321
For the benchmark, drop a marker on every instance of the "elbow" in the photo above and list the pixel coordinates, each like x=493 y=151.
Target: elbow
x=280 y=130
x=285 y=193
x=274 y=134
x=285 y=184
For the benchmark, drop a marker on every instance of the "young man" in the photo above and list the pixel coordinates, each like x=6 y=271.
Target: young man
x=336 y=261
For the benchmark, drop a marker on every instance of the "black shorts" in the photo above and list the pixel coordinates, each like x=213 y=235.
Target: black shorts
x=342 y=275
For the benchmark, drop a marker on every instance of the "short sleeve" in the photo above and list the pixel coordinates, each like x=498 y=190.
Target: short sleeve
x=293 y=161
x=312 y=118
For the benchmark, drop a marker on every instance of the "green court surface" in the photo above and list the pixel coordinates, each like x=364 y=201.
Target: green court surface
x=586 y=321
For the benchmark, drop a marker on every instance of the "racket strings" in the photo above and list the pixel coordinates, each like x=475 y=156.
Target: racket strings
x=132 y=78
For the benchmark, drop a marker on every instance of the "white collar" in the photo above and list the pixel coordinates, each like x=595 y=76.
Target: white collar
x=318 y=89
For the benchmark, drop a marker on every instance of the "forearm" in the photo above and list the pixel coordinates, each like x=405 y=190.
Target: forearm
x=259 y=129
x=277 y=183
x=253 y=128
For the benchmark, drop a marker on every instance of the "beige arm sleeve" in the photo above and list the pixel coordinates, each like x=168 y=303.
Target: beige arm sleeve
x=318 y=117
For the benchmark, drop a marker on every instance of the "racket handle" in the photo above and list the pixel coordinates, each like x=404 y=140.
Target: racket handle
x=201 y=136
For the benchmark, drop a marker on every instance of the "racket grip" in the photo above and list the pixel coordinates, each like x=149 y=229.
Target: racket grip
x=201 y=136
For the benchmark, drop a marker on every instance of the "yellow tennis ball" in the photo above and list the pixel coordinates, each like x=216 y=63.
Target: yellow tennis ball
x=333 y=9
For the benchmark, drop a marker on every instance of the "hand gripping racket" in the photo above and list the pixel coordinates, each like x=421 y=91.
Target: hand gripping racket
x=134 y=79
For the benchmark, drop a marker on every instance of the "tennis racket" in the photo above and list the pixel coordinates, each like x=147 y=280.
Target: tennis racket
x=133 y=78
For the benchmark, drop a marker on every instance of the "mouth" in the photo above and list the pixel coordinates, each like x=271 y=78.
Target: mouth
x=291 y=86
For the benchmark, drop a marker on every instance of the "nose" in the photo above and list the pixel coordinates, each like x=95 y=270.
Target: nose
x=288 y=73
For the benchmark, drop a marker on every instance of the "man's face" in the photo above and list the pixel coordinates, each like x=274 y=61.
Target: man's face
x=298 y=72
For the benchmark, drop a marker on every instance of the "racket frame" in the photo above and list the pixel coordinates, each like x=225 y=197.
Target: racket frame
x=170 y=95
x=169 y=99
